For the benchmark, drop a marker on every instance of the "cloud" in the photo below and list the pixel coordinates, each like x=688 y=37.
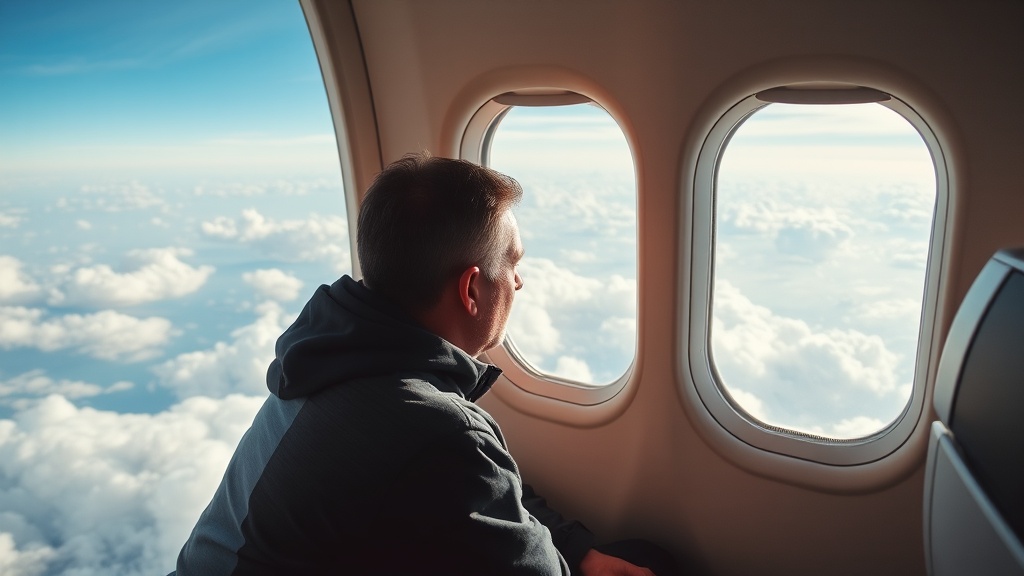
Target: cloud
x=15 y=286
x=228 y=367
x=37 y=383
x=565 y=294
x=812 y=233
x=153 y=274
x=907 y=253
x=902 y=310
x=574 y=369
x=263 y=156
x=93 y=492
x=561 y=317
x=106 y=335
x=315 y=239
x=547 y=289
x=803 y=378
x=221 y=227
x=578 y=256
x=28 y=562
x=749 y=403
x=532 y=332
x=908 y=203
x=125 y=197
x=601 y=207
x=8 y=220
x=274 y=283
x=857 y=427
x=620 y=333
x=274 y=188
x=550 y=286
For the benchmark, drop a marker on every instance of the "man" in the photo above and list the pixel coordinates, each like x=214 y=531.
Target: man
x=369 y=456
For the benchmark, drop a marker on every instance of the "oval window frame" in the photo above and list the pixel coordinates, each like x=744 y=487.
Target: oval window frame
x=698 y=361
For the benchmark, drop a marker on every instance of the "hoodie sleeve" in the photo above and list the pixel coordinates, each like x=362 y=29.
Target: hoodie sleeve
x=468 y=486
x=571 y=538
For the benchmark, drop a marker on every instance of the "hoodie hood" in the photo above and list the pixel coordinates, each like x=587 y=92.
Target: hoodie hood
x=346 y=331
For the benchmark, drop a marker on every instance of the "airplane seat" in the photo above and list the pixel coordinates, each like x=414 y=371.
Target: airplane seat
x=974 y=479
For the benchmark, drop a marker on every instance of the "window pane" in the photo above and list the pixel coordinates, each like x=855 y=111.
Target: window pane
x=169 y=197
x=823 y=216
x=576 y=315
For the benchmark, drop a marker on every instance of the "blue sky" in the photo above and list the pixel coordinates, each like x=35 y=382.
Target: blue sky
x=87 y=78
x=128 y=126
x=170 y=195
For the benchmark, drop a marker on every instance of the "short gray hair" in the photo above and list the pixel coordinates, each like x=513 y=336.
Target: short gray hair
x=425 y=219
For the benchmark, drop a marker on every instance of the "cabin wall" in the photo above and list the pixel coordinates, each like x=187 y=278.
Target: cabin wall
x=664 y=70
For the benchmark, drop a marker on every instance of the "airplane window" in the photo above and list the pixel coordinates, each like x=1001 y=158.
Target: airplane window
x=575 y=318
x=170 y=195
x=822 y=217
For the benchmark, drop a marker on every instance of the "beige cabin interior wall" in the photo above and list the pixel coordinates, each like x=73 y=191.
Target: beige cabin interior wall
x=659 y=64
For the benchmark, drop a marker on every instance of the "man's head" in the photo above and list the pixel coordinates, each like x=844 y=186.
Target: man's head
x=426 y=223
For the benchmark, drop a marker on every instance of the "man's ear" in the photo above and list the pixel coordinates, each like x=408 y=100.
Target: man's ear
x=469 y=291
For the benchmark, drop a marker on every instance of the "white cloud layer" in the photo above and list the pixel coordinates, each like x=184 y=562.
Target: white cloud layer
x=828 y=381
x=9 y=220
x=106 y=335
x=228 y=367
x=125 y=197
x=36 y=383
x=573 y=368
x=902 y=309
x=30 y=561
x=315 y=239
x=812 y=233
x=847 y=255
x=274 y=284
x=560 y=319
x=85 y=491
x=278 y=187
x=15 y=286
x=600 y=207
x=150 y=275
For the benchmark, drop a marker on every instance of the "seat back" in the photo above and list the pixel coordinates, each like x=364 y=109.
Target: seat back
x=974 y=480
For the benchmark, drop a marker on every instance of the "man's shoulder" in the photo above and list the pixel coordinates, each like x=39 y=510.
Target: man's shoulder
x=448 y=404
x=406 y=400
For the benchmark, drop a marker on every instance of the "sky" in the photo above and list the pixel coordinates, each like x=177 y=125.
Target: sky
x=170 y=195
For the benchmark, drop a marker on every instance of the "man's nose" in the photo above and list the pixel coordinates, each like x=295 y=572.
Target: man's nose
x=519 y=281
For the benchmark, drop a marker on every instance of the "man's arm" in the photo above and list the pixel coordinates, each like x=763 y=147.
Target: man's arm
x=463 y=495
x=571 y=537
x=576 y=543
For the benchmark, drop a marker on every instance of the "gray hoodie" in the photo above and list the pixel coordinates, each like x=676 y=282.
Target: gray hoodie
x=370 y=457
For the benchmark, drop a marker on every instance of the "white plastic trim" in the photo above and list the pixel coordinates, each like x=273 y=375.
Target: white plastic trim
x=704 y=377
